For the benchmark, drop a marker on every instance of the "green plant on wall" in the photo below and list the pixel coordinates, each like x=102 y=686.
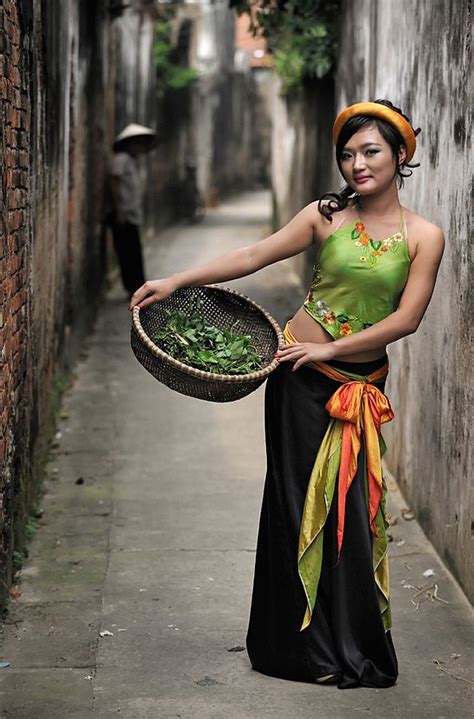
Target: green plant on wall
x=301 y=34
x=170 y=72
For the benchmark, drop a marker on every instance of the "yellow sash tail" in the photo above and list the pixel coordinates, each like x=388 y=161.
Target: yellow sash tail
x=357 y=410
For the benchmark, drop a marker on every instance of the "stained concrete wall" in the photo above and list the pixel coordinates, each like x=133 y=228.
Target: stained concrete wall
x=418 y=55
x=301 y=154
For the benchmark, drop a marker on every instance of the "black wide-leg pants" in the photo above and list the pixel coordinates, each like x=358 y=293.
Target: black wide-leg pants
x=346 y=636
x=127 y=245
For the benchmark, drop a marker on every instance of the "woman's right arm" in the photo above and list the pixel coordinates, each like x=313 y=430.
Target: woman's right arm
x=292 y=239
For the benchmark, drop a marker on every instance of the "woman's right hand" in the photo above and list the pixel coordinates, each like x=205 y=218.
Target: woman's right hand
x=152 y=291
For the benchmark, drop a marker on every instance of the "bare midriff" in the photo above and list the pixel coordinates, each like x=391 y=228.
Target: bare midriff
x=306 y=329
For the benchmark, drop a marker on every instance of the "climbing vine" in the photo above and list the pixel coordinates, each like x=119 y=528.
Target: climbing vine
x=301 y=34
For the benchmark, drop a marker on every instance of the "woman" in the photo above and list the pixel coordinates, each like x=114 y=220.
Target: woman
x=320 y=604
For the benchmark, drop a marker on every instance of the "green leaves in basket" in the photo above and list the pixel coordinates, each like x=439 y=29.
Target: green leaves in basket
x=188 y=338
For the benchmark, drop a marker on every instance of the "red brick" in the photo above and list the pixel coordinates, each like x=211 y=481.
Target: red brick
x=15 y=96
x=13 y=264
x=6 y=287
x=13 y=75
x=16 y=219
x=15 y=343
x=15 y=34
x=11 y=155
x=13 y=199
x=12 y=242
x=13 y=117
x=16 y=284
x=10 y=137
x=4 y=88
x=14 y=55
x=14 y=307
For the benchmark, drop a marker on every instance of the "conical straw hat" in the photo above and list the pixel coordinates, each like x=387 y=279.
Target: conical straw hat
x=134 y=130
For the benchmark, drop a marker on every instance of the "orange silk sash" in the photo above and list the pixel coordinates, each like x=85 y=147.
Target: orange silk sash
x=360 y=405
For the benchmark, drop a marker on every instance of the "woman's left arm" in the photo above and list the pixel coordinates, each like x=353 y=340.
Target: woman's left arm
x=404 y=321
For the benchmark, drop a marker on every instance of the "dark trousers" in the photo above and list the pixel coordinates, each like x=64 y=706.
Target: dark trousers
x=129 y=253
x=346 y=636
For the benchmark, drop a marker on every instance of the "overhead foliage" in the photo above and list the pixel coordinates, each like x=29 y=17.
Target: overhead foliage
x=301 y=34
x=171 y=64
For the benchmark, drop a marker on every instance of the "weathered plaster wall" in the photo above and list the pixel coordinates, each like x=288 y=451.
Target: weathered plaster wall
x=301 y=154
x=418 y=55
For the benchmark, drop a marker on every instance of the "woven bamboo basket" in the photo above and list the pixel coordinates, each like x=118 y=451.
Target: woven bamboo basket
x=222 y=308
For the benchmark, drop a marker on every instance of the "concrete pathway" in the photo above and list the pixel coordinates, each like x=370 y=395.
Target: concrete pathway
x=148 y=537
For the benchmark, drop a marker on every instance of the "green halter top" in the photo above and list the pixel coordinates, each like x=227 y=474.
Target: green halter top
x=357 y=280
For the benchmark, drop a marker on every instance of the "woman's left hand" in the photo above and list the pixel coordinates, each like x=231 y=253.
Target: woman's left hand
x=303 y=352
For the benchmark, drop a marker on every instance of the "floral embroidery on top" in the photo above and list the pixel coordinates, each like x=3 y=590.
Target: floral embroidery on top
x=317 y=277
x=372 y=249
x=342 y=324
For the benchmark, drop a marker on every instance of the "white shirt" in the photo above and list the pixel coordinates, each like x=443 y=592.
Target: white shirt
x=130 y=187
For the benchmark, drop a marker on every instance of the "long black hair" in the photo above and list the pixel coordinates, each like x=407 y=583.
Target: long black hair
x=337 y=201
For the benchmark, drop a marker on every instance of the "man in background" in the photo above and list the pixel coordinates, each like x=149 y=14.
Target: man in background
x=127 y=201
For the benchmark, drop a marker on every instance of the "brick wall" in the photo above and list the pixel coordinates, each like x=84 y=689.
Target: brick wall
x=55 y=128
x=15 y=259
x=63 y=85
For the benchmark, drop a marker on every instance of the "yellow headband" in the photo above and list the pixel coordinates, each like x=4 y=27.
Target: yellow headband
x=375 y=109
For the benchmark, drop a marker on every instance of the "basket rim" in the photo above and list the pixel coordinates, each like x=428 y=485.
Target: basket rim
x=202 y=374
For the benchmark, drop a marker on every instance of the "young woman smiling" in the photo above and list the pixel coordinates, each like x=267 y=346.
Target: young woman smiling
x=320 y=604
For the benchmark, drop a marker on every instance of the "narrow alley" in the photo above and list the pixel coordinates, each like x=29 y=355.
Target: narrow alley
x=135 y=597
